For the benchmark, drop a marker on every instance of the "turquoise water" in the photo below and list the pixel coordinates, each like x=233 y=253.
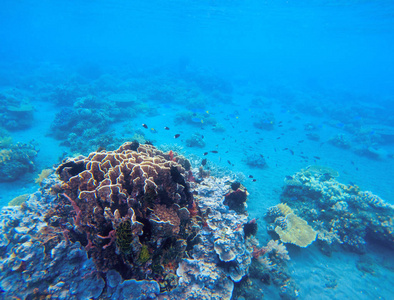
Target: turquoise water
x=260 y=89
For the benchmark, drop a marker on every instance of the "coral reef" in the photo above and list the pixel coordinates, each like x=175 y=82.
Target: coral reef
x=196 y=140
x=17 y=112
x=120 y=224
x=255 y=160
x=43 y=175
x=340 y=214
x=16 y=160
x=36 y=260
x=18 y=200
x=341 y=141
x=84 y=127
x=266 y=121
x=290 y=228
x=269 y=266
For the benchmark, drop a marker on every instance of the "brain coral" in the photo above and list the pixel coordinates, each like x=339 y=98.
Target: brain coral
x=125 y=205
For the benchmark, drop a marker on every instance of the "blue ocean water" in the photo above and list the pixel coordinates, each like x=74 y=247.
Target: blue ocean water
x=260 y=89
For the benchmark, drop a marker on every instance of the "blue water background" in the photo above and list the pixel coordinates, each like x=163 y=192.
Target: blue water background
x=324 y=44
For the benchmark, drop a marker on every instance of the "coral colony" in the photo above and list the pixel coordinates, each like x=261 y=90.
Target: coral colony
x=140 y=223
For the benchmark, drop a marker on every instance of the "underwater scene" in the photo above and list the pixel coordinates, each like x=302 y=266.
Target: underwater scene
x=197 y=149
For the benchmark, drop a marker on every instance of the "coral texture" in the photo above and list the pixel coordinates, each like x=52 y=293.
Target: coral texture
x=341 y=214
x=124 y=224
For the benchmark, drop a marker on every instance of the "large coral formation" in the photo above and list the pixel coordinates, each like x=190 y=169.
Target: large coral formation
x=127 y=223
x=341 y=214
x=133 y=196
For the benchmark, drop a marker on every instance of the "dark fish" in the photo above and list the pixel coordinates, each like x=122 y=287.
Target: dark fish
x=145 y=126
x=202 y=136
x=214 y=151
x=291 y=151
x=262 y=155
x=229 y=162
x=317 y=157
x=301 y=141
x=278 y=138
x=205 y=153
x=250 y=176
x=177 y=135
x=254 y=180
x=204 y=162
x=285 y=149
x=226 y=151
x=166 y=128
x=279 y=122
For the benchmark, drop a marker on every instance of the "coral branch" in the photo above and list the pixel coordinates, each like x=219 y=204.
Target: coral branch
x=73 y=203
x=111 y=235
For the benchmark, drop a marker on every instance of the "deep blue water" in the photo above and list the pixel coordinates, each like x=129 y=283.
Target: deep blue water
x=217 y=73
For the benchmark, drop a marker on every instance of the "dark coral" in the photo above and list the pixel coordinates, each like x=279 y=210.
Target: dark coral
x=236 y=200
x=129 y=208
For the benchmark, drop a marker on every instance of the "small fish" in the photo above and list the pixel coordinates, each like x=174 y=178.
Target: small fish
x=250 y=176
x=145 y=126
x=300 y=141
x=291 y=151
x=166 y=128
x=285 y=149
x=352 y=163
x=177 y=135
x=214 y=151
x=317 y=157
x=202 y=136
x=280 y=122
x=205 y=153
x=289 y=177
x=254 y=180
x=262 y=156
x=278 y=138
x=153 y=130
x=204 y=162
x=229 y=162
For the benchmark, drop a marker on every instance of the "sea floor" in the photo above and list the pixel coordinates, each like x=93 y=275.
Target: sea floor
x=318 y=276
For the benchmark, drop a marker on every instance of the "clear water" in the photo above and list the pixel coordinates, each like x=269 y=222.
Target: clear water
x=328 y=63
